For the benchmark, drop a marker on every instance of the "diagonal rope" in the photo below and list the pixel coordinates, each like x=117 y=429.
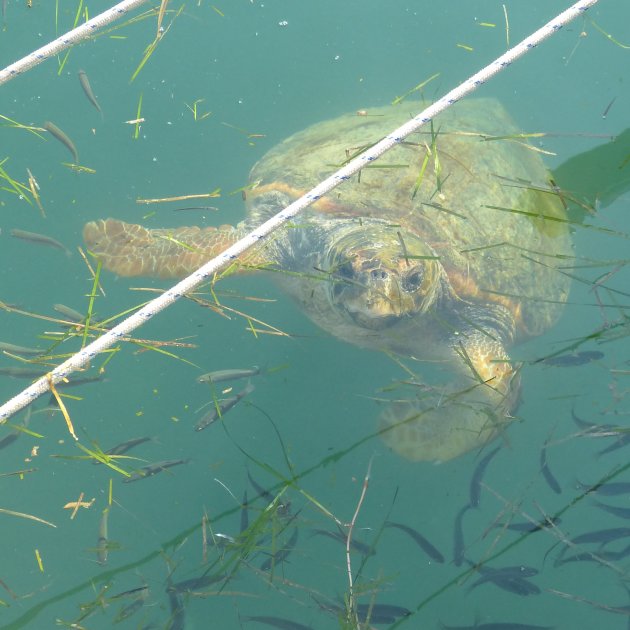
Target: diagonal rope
x=86 y=355
x=85 y=31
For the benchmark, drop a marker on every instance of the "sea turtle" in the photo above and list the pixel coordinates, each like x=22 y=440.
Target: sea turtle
x=445 y=250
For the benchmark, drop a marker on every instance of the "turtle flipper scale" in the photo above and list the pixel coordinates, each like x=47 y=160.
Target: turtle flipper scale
x=133 y=250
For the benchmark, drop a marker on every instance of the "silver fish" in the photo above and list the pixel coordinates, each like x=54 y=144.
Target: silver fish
x=219 y=376
x=154 y=469
x=221 y=408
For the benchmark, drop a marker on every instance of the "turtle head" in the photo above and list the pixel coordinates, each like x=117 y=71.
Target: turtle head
x=382 y=274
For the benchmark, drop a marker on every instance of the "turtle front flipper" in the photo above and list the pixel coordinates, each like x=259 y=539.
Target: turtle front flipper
x=133 y=250
x=469 y=412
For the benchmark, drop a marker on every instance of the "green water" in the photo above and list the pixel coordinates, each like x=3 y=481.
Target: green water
x=263 y=81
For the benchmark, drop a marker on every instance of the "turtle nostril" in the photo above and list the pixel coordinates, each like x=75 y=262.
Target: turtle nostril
x=379 y=275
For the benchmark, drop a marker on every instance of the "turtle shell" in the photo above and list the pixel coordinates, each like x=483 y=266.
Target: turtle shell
x=469 y=185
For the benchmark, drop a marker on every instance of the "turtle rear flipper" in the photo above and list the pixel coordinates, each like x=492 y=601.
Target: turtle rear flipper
x=467 y=414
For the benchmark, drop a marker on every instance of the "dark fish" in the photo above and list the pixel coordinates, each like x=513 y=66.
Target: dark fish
x=278 y=622
x=512 y=579
x=154 y=469
x=458 y=537
x=598 y=556
x=622 y=440
x=606 y=488
x=177 y=620
x=85 y=84
x=605 y=112
x=547 y=474
x=499 y=625
x=512 y=584
x=602 y=536
x=22 y=372
x=282 y=554
x=195 y=584
x=419 y=539
x=475 y=482
x=10 y=347
x=119 y=449
x=570 y=360
x=613 y=509
x=139 y=591
x=532 y=527
x=381 y=613
x=360 y=547
x=130 y=609
x=283 y=508
x=40 y=239
x=244 y=513
x=9 y=439
x=63 y=138
x=606 y=430
x=222 y=407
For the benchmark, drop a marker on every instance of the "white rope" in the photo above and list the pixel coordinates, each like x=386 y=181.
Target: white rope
x=84 y=31
x=87 y=354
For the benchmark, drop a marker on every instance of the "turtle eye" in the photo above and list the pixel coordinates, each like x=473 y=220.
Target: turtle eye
x=412 y=280
x=345 y=271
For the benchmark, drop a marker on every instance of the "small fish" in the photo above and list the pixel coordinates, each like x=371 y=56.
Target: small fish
x=41 y=239
x=221 y=408
x=532 y=527
x=22 y=372
x=195 y=584
x=63 y=138
x=278 y=622
x=85 y=84
x=281 y=554
x=130 y=609
x=571 y=360
x=228 y=375
x=604 y=430
x=498 y=625
x=69 y=313
x=244 y=513
x=608 y=489
x=419 y=539
x=9 y=439
x=511 y=579
x=379 y=612
x=602 y=536
x=605 y=112
x=177 y=620
x=546 y=471
x=22 y=350
x=516 y=585
x=119 y=449
x=458 y=537
x=154 y=469
x=213 y=208
x=103 y=539
x=613 y=509
x=360 y=547
x=284 y=509
x=475 y=482
x=622 y=440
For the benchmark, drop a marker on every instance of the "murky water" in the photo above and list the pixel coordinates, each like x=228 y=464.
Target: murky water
x=225 y=84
